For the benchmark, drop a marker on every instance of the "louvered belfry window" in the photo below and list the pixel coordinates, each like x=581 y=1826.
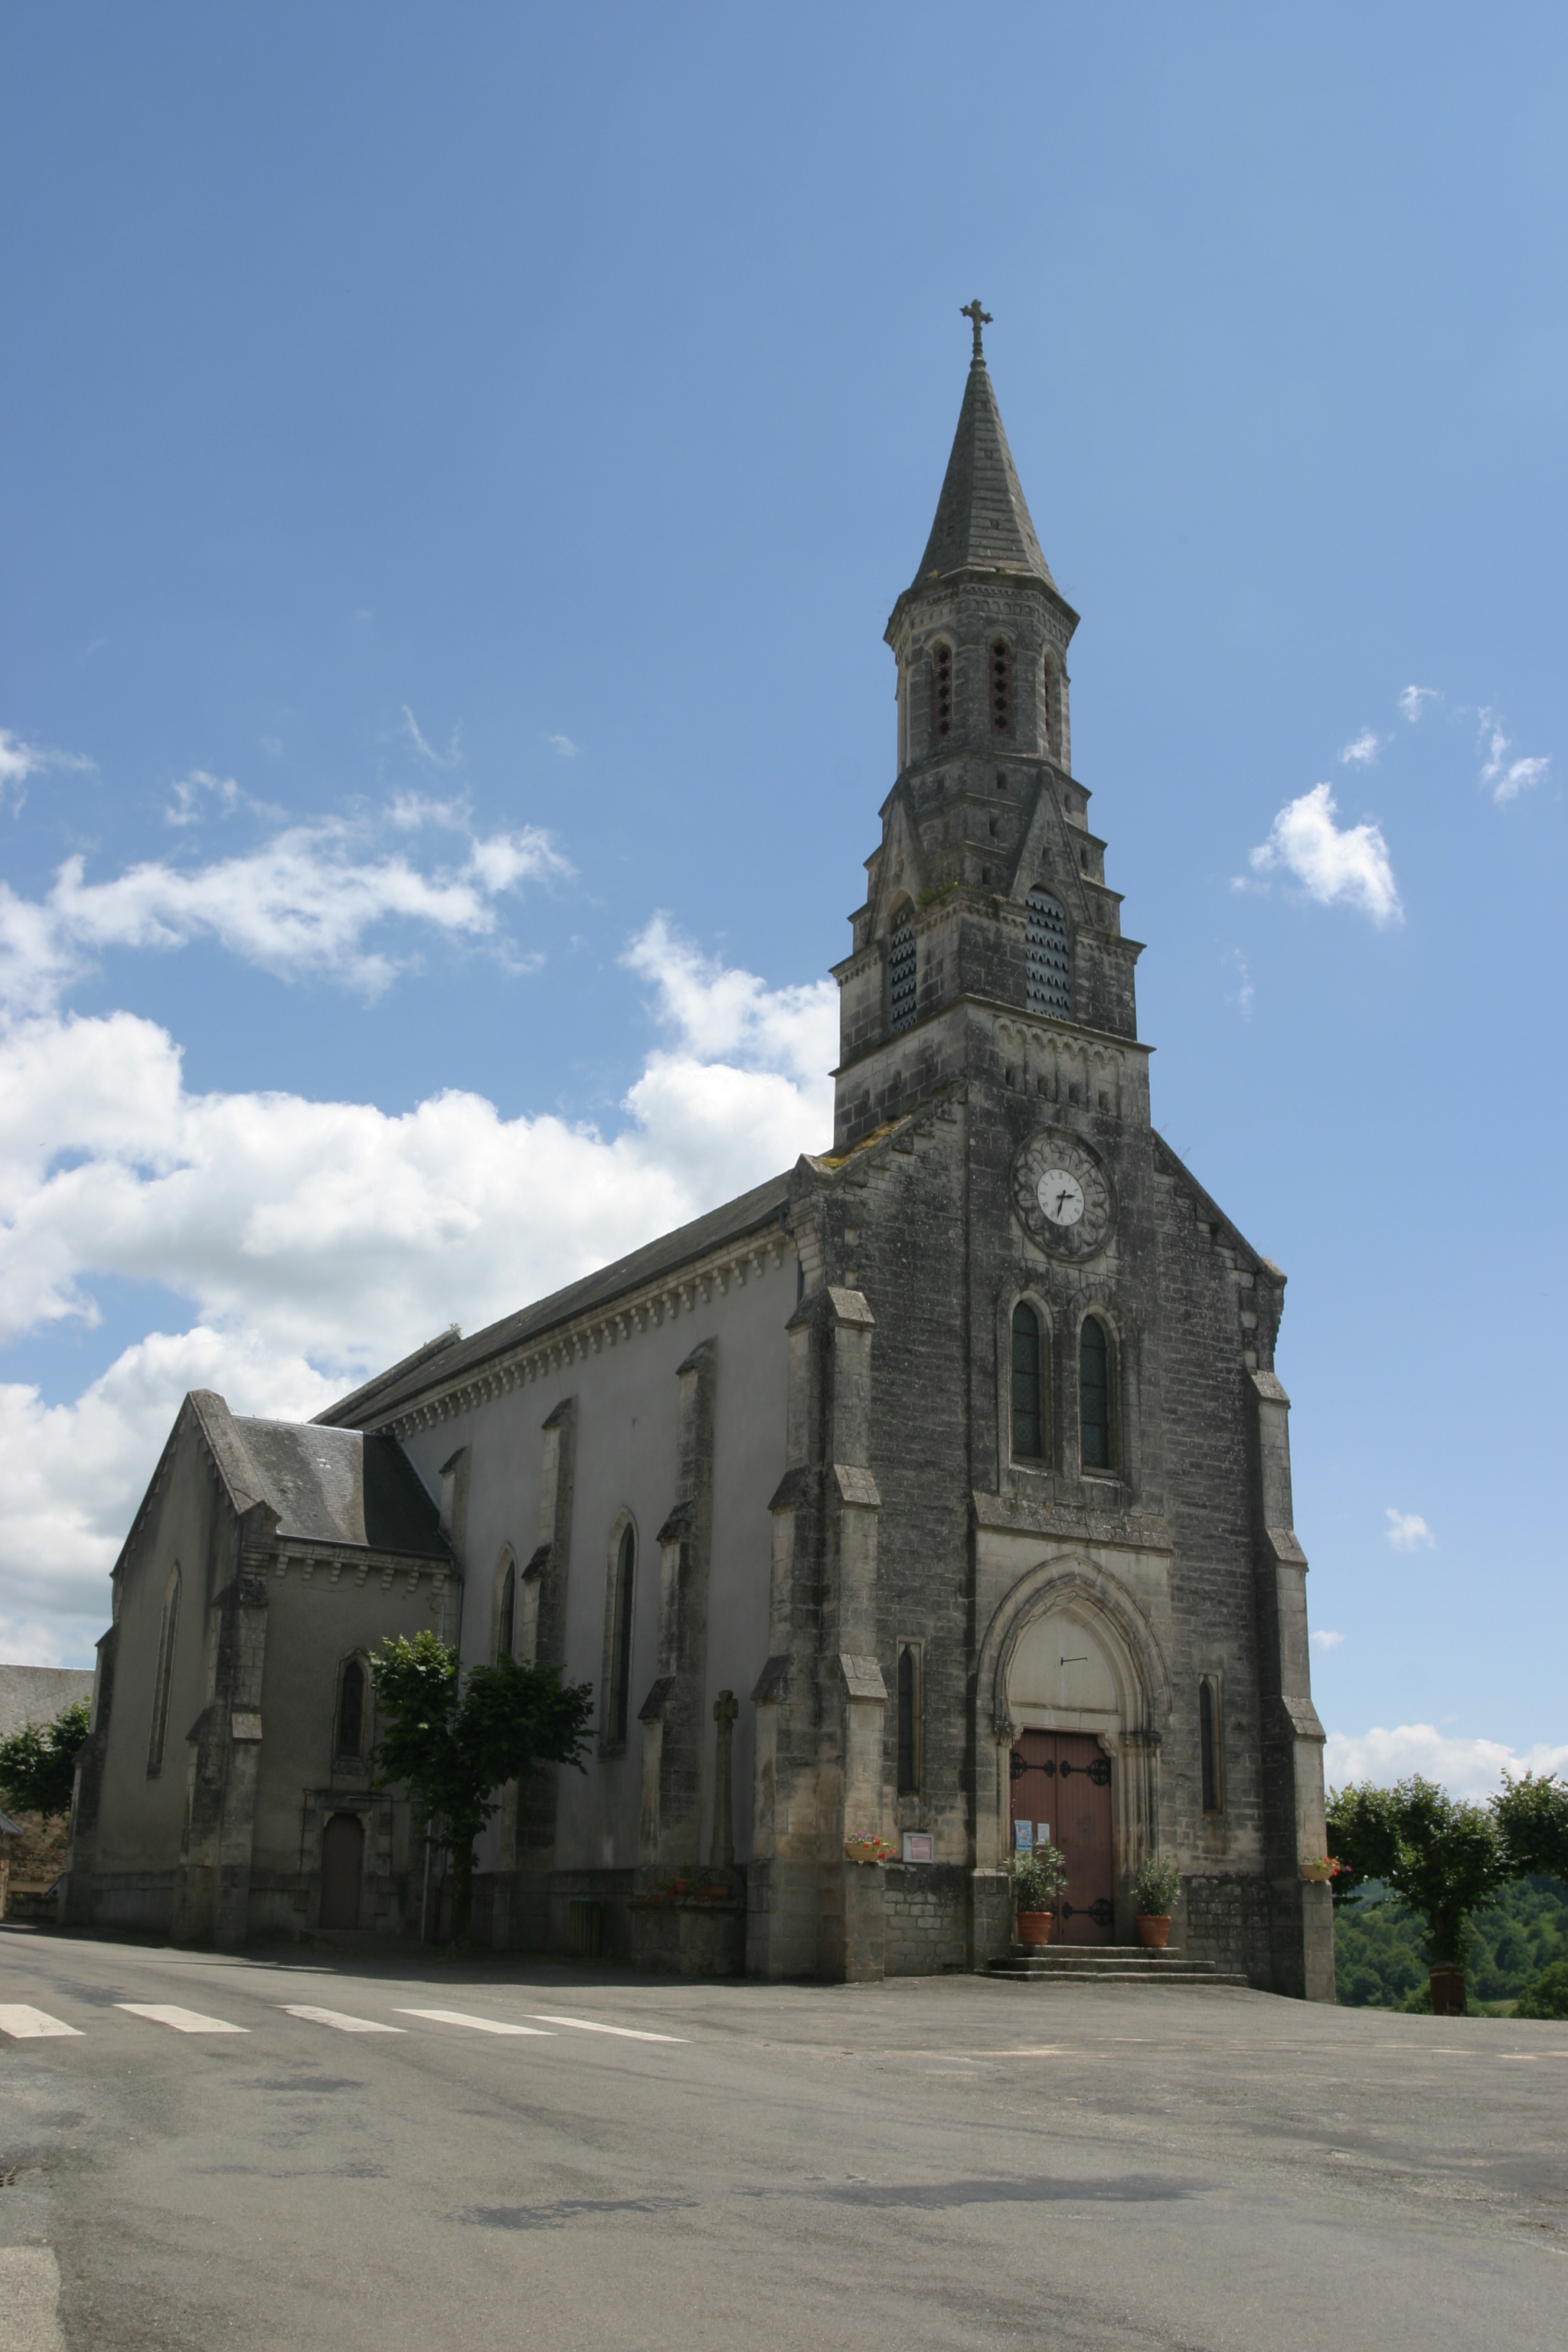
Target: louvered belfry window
x=901 y=972
x=1050 y=959
x=941 y=689
x=1001 y=688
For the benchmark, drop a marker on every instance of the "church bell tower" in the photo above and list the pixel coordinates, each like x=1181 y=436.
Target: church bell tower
x=989 y=887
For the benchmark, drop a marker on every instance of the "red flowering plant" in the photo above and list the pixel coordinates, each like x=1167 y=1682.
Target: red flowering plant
x=867 y=1847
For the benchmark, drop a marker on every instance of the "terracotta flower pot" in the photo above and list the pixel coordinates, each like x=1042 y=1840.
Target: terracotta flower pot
x=1153 y=1930
x=1035 y=1926
x=1448 y=1992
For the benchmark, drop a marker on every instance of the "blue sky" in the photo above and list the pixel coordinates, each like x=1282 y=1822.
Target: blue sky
x=458 y=466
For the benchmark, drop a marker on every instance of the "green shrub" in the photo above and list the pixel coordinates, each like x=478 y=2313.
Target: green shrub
x=1156 y=1884
x=1548 y=1996
x=1038 y=1878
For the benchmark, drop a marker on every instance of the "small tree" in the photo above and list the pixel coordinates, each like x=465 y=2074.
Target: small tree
x=38 y=1764
x=1442 y=1857
x=1531 y=1817
x=455 y=1750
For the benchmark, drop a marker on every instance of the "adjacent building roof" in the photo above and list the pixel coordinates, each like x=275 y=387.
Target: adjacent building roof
x=404 y=1383
x=342 y=1486
x=36 y=1693
x=982 y=516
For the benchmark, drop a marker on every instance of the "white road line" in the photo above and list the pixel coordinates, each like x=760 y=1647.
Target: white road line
x=587 y=2025
x=479 y=2024
x=184 y=2020
x=25 y=2024
x=344 y=2025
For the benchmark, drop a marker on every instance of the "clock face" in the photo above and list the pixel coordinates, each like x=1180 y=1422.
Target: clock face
x=1062 y=1196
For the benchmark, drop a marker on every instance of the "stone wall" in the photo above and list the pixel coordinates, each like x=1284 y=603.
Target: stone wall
x=927 y=1931
x=1228 y=1922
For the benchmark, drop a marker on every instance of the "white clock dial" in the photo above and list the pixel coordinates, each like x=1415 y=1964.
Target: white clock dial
x=1060 y=1196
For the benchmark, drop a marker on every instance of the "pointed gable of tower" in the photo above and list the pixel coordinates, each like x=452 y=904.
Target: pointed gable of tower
x=982 y=516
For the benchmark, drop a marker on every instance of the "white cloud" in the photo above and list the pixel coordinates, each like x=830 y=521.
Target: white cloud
x=1413 y=700
x=1504 y=778
x=188 y=805
x=1466 y=1768
x=317 y=1240
x=450 y=758
x=566 y=746
x=1327 y=1641
x=1408 y=1531
x=19 y=760
x=1346 y=866
x=305 y=901
x=1363 y=751
x=1245 y=990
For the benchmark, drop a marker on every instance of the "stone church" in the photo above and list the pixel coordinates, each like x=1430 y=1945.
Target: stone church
x=936 y=1492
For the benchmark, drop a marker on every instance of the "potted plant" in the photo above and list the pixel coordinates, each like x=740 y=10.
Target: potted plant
x=866 y=1846
x=1156 y=1884
x=1038 y=1878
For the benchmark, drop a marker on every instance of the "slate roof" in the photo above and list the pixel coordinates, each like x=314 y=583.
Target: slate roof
x=982 y=516
x=342 y=1486
x=36 y=1693
x=428 y=1368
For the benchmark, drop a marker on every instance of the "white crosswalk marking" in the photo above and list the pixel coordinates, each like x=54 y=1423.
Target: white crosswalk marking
x=25 y=2024
x=184 y=2020
x=344 y=2023
x=479 y=2024
x=588 y=2025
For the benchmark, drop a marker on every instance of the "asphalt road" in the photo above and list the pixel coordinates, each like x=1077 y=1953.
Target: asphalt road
x=949 y=2162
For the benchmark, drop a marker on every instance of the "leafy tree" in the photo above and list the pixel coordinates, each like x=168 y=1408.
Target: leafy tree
x=38 y=1764
x=1378 y=1951
x=1443 y=1857
x=457 y=1748
x=1531 y=1817
x=1548 y=1996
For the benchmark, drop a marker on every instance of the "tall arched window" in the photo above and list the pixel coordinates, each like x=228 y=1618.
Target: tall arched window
x=168 y=1631
x=1001 y=688
x=618 y=1697
x=505 y=1612
x=909 y=1719
x=1050 y=956
x=1094 y=1394
x=1048 y=707
x=901 y=969
x=1028 y=1386
x=941 y=689
x=1208 y=1745
x=351 y=1710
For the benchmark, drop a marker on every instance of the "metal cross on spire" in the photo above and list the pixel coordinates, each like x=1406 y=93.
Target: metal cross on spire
x=977 y=319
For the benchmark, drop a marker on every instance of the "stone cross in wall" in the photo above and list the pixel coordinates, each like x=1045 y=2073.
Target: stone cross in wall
x=977 y=319
x=721 y=1853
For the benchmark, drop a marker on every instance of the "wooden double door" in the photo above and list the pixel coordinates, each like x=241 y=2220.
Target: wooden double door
x=1061 y=1787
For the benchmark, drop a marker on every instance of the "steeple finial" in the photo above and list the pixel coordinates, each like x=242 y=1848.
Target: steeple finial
x=977 y=319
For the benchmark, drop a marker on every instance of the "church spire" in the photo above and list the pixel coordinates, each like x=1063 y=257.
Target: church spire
x=982 y=516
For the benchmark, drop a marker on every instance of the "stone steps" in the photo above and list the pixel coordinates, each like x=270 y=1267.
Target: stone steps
x=1107 y=1964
